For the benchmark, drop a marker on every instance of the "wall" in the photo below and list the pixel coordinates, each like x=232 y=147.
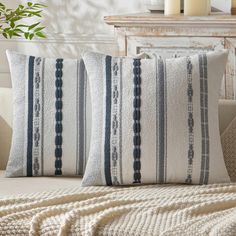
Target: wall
x=224 y=5
x=72 y=26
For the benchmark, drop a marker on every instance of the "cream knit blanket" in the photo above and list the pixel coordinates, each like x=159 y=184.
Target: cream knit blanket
x=145 y=211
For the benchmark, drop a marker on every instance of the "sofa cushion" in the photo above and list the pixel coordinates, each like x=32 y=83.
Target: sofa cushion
x=50 y=128
x=155 y=120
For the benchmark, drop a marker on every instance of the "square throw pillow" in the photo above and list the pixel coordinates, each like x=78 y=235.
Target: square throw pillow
x=155 y=120
x=50 y=116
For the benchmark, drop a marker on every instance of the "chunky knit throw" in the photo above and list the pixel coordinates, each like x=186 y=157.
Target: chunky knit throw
x=148 y=210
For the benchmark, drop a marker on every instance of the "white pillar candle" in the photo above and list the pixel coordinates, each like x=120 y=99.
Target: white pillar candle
x=172 y=7
x=196 y=7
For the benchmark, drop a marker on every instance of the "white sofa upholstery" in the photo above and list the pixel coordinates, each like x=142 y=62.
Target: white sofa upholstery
x=5 y=125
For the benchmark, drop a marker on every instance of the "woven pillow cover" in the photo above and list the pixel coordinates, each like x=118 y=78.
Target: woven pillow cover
x=155 y=120
x=50 y=128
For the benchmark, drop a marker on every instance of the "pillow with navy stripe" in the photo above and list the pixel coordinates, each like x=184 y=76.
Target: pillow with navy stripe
x=51 y=116
x=155 y=120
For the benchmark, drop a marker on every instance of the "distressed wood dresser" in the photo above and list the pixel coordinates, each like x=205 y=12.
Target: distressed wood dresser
x=176 y=36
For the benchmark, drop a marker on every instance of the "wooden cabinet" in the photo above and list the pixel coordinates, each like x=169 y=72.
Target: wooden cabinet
x=178 y=36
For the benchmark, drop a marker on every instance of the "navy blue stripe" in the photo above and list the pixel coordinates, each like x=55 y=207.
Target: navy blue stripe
x=30 y=115
x=108 y=122
x=58 y=116
x=137 y=117
x=204 y=176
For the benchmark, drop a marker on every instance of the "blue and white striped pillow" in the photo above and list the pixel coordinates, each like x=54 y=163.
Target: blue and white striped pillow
x=155 y=120
x=51 y=119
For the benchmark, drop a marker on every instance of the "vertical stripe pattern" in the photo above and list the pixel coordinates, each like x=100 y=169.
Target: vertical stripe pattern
x=107 y=148
x=81 y=121
x=162 y=116
x=115 y=122
x=30 y=115
x=137 y=118
x=45 y=88
x=37 y=117
x=42 y=117
x=58 y=116
x=190 y=122
x=163 y=106
x=204 y=175
x=120 y=127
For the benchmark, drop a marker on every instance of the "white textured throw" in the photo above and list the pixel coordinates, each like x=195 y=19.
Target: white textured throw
x=148 y=210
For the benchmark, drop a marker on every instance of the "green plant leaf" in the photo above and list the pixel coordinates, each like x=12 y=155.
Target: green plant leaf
x=16 y=34
x=39 y=29
x=12 y=24
x=31 y=36
x=33 y=26
x=26 y=35
x=10 y=33
x=18 y=31
x=40 y=5
x=29 y=4
x=5 y=35
x=40 y=35
x=22 y=26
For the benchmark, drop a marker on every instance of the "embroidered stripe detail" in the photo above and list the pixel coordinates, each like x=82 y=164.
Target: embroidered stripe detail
x=42 y=125
x=30 y=115
x=58 y=116
x=108 y=122
x=162 y=116
x=137 y=118
x=115 y=122
x=190 y=122
x=204 y=176
x=37 y=117
x=120 y=128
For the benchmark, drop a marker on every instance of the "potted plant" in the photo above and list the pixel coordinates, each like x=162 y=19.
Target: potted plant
x=12 y=21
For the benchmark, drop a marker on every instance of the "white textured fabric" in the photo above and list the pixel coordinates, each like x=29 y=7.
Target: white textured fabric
x=14 y=186
x=154 y=120
x=51 y=116
x=165 y=210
